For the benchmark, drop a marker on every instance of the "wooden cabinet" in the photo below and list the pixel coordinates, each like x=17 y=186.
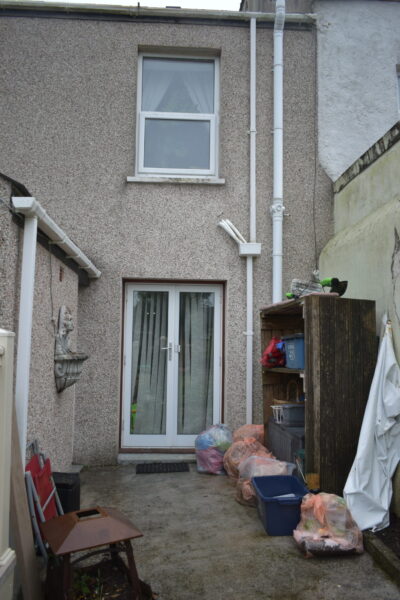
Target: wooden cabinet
x=340 y=357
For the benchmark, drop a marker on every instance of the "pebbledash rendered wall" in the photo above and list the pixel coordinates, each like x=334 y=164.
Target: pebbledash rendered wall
x=69 y=102
x=358 y=77
x=365 y=249
x=50 y=414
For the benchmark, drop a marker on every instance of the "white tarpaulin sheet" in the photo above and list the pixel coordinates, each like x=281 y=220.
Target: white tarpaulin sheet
x=368 y=490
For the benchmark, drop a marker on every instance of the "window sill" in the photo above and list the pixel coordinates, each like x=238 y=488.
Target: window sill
x=175 y=179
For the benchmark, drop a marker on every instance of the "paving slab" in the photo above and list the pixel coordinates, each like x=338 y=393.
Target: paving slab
x=200 y=544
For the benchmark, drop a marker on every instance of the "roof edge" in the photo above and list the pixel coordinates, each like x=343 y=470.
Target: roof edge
x=389 y=139
x=140 y=12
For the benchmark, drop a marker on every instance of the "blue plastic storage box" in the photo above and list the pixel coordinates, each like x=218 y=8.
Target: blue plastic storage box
x=279 y=515
x=294 y=349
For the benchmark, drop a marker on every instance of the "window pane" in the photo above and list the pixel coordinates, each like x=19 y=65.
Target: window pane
x=173 y=144
x=171 y=85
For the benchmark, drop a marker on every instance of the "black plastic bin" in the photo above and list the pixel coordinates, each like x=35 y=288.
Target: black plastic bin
x=284 y=441
x=69 y=490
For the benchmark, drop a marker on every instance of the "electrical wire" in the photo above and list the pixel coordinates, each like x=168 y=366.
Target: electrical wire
x=53 y=320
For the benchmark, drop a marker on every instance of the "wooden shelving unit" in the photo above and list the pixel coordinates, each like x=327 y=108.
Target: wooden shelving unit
x=340 y=358
x=285 y=371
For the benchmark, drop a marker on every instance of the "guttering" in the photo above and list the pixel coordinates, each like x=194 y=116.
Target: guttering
x=31 y=208
x=35 y=216
x=142 y=12
x=277 y=207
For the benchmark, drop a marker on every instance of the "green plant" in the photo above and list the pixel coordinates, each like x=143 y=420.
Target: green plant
x=87 y=587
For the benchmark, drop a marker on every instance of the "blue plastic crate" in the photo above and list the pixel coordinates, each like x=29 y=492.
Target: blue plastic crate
x=280 y=516
x=294 y=349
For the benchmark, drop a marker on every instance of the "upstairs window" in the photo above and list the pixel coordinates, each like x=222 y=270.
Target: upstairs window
x=177 y=116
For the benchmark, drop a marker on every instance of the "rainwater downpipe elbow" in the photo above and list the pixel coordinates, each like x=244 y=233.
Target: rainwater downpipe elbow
x=277 y=208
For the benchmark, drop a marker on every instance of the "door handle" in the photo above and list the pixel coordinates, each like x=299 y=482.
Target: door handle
x=169 y=348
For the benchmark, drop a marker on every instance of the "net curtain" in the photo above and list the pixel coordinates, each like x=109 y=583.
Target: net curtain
x=149 y=361
x=178 y=86
x=195 y=364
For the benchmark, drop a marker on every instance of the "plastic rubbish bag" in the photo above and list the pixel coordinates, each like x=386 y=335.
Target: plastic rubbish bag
x=247 y=431
x=255 y=466
x=274 y=354
x=326 y=527
x=211 y=446
x=241 y=450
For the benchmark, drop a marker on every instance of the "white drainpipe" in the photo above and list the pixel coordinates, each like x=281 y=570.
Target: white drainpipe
x=277 y=208
x=251 y=249
x=248 y=250
x=25 y=330
x=253 y=197
x=249 y=340
x=35 y=216
x=253 y=131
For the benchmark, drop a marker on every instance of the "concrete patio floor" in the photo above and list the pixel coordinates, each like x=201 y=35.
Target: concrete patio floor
x=200 y=544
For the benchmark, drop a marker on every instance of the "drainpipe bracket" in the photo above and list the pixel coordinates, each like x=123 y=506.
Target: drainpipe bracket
x=277 y=209
x=250 y=249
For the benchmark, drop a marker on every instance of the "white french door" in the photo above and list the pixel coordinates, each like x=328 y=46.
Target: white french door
x=172 y=363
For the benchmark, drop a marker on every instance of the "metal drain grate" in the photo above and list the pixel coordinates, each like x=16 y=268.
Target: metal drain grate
x=168 y=467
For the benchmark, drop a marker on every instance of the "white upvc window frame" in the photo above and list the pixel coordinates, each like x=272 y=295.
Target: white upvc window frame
x=211 y=118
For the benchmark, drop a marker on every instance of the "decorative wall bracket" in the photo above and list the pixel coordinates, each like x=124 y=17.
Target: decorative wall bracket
x=67 y=364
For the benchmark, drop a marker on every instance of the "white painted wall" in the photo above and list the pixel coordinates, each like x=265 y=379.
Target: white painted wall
x=358 y=50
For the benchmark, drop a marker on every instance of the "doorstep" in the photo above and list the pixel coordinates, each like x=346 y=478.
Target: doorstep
x=124 y=459
x=384 y=556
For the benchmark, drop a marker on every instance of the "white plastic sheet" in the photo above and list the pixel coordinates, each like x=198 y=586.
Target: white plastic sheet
x=368 y=490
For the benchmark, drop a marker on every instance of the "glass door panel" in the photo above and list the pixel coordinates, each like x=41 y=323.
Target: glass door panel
x=149 y=363
x=196 y=362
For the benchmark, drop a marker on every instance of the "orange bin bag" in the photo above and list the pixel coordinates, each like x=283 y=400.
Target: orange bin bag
x=241 y=450
x=326 y=527
x=247 y=431
x=256 y=466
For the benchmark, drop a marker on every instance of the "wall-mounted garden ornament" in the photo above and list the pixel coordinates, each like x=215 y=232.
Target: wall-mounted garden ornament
x=67 y=363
